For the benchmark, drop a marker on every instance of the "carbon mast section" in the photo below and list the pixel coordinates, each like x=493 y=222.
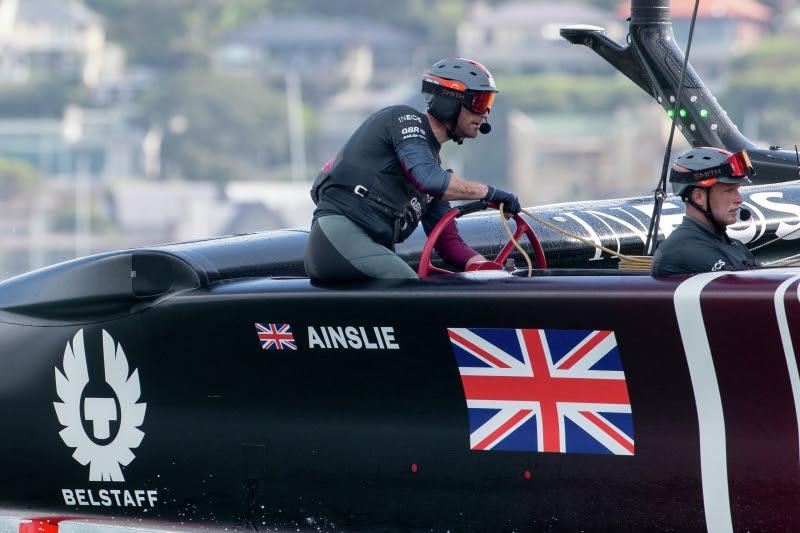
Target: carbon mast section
x=652 y=60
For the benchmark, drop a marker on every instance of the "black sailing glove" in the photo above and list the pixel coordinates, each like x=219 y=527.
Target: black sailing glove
x=499 y=196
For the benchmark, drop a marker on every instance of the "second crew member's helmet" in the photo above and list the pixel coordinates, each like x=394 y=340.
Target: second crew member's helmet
x=456 y=81
x=705 y=166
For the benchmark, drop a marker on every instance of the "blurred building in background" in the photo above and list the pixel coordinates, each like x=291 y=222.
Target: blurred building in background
x=55 y=37
x=555 y=157
x=98 y=142
x=329 y=54
x=726 y=29
x=523 y=36
x=135 y=140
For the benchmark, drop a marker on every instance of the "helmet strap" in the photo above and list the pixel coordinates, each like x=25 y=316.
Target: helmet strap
x=706 y=211
x=446 y=111
x=452 y=134
x=450 y=130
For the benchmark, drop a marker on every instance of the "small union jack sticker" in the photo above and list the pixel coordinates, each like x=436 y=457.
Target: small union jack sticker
x=276 y=336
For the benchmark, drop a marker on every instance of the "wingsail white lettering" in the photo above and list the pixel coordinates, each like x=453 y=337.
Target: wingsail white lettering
x=602 y=225
x=785 y=230
x=351 y=337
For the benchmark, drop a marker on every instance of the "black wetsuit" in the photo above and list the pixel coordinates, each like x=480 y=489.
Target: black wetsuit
x=367 y=181
x=696 y=247
x=386 y=180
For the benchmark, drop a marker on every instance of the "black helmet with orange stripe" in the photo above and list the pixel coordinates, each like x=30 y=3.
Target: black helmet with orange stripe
x=456 y=81
x=704 y=166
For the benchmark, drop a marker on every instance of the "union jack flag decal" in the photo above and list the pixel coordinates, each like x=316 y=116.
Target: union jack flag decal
x=276 y=337
x=545 y=390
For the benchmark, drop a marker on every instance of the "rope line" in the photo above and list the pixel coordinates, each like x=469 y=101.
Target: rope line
x=636 y=262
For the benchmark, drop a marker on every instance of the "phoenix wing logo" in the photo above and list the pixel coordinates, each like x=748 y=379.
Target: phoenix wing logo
x=104 y=460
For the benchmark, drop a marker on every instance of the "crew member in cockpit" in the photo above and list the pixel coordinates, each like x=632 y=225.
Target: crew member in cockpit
x=388 y=178
x=708 y=181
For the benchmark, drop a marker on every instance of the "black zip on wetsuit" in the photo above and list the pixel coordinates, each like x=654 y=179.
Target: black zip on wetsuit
x=696 y=247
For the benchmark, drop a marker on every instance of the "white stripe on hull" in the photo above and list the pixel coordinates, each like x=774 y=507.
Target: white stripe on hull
x=788 y=347
x=713 y=453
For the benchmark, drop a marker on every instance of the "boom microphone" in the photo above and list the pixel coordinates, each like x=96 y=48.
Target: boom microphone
x=744 y=214
x=485 y=128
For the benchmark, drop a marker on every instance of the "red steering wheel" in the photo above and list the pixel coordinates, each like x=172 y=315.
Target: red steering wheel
x=426 y=267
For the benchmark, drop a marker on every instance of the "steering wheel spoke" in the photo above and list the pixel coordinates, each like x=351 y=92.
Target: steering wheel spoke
x=426 y=268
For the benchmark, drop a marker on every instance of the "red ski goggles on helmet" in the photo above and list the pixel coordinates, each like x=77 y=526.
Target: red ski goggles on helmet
x=479 y=102
x=741 y=165
x=736 y=169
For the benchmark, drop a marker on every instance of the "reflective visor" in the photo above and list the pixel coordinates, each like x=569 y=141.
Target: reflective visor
x=481 y=102
x=741 y=165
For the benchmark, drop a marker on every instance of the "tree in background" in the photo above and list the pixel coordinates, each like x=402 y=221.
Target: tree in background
x=218 y=127
x=545 y=93
x=764 y=90
x=235 y=128
x=567 y=93
x=17 y=179
x=41 y=98
x=169 y=34
x=436 y=19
